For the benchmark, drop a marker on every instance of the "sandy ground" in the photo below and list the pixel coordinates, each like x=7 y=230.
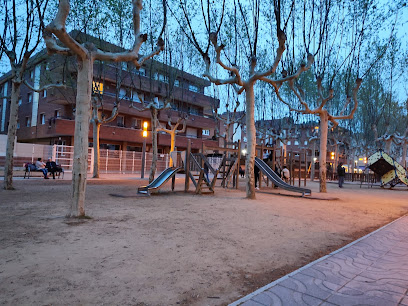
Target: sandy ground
x=171 y=248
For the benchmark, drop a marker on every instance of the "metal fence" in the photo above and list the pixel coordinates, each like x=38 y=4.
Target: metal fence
x=111 y=161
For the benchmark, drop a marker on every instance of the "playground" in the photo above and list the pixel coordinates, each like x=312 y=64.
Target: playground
x=172 y=248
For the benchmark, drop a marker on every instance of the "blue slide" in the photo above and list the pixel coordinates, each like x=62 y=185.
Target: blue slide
x=277 y=180
x=160 y=180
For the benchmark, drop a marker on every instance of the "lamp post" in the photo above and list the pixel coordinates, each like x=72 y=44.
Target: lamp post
x=144 y=134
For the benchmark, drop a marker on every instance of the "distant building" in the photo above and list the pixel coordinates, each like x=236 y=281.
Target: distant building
x=48 y=117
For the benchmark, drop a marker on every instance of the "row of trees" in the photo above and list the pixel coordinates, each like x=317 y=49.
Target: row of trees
x=310 y=56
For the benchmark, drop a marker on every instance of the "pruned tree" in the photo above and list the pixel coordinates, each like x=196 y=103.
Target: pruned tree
x=86 y=54
x=172 y=131
x=243 y=80
x=336 y=35
x=231 y=121
x=22 y=26
x=154 y=107
x=313 y=139
x=403 y=139
x=98 y=118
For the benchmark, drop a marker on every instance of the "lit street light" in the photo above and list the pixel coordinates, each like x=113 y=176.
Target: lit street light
x=144 y=134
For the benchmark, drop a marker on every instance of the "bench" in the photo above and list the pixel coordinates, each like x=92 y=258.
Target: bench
x=30 y=169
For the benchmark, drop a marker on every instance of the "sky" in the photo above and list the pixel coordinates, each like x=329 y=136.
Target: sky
x=400 y=86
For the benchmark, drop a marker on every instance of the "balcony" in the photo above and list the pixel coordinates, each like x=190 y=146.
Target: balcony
x=64 y=127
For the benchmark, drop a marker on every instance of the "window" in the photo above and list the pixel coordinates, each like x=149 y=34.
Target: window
x=42 y=118
x=122 y=93
x=18 y=124
x=32 y=74
x=30 y=97
x=20 y=101
x=57 y=113
x=191 y=132
x=134 y=148
x=177 y=83
x=44 y=93
x=206 y=132
x=141 y=71
x=194 y=88
x=136 y=97
x=174 y=106
x=305 y=142
x=162 y=78
x=136 y=123
x=97 y=87
x=193 y=110
x=120 y=121
x=296 y=143
x=28 y=121
x=124 y=66
x=288 y=143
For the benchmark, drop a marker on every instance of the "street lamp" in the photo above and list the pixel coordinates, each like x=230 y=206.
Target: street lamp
x=144 y=134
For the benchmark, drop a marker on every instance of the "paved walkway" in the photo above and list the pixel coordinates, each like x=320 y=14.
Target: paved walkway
x=370 y=271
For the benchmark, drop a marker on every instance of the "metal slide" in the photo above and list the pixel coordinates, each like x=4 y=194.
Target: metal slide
x=160 y=180
x=277 y=180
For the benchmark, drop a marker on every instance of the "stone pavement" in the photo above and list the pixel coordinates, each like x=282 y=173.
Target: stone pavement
x=372 y=270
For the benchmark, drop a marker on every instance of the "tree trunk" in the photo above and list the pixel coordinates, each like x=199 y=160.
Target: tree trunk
x=153 y=168
x=172 y=146
x=82 y=117
x=336 y=157
x=388 y=144
x=97 y=152
x=251 y=141
x=404 y=152
x=324 y=125
x=11 y=136
x=353 y=158
x=312 y=170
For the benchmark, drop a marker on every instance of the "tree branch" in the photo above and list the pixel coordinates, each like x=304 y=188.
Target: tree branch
x=62 y=86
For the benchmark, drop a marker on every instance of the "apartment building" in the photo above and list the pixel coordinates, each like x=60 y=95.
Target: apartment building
x=49 y=117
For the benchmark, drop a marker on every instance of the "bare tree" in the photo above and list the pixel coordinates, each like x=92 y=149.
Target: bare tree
x=20 y=38
x=86 y=54
x=154 y=107
x=242 y=80
x=173 y=131
x=98 y=118
x=231 y=122
x=335 y=37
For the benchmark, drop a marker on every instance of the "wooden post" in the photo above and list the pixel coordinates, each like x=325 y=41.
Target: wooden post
x=173 y=182
x=260 y=172
x=187 y=167
x=300 y=167
x=239 y=164
x=289 y=161
x=304 y=182
x=273 y=162
x=282 y=159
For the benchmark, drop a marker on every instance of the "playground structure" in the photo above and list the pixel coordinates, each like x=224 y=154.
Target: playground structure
x=276 y=180
x=212 y=164
x=298 y=163
x=169 y=173
x=388 y=168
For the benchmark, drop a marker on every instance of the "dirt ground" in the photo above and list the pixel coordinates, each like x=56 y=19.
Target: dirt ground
x=171 y=248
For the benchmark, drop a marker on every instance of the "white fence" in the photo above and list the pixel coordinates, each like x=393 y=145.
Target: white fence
x=111 y=161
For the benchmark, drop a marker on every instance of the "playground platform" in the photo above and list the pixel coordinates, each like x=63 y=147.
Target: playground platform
x=372 y=270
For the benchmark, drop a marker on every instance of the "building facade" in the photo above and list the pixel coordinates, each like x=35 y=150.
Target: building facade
x=48 y=117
